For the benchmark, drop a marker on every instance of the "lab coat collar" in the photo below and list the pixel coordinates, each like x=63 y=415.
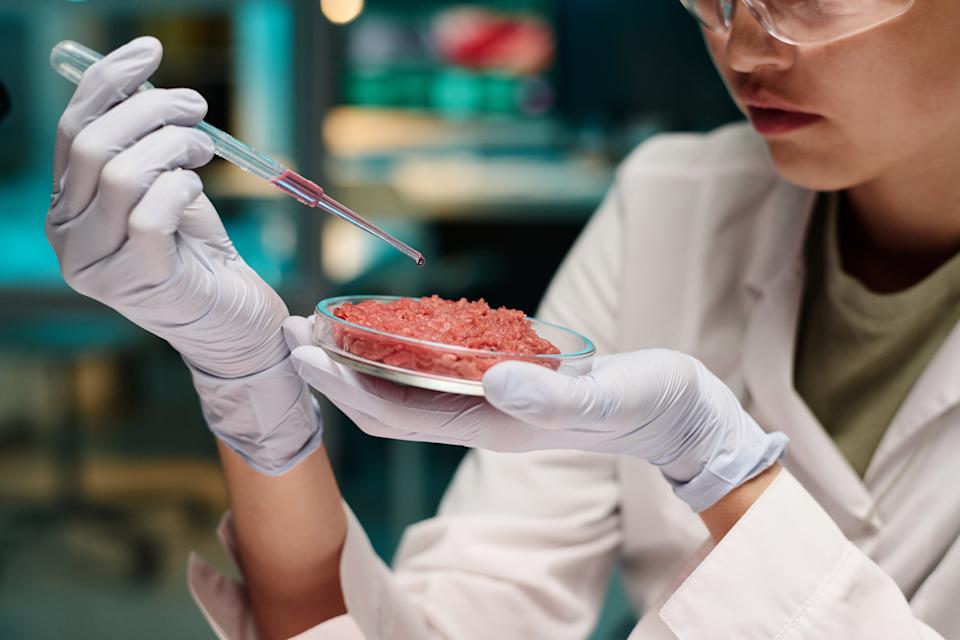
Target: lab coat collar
x=776 y=279
x=781 y=229
x=935 y=392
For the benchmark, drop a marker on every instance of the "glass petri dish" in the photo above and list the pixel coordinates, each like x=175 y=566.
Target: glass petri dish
x=435 y=365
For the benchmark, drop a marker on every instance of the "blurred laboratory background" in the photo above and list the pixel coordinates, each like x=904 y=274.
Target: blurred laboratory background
x=483 y=133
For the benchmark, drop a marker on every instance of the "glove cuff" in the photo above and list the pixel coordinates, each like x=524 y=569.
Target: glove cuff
x=732 y=464
x=270 y=418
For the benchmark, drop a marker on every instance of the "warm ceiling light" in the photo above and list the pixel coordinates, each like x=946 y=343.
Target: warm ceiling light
x=341 y=11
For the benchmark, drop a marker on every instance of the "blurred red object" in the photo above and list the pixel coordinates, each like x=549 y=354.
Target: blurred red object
x=483 y=39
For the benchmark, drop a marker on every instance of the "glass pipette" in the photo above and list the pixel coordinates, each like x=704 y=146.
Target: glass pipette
x=71 y=59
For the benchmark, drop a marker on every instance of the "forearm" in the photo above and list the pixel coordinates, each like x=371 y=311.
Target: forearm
x=721 y=517
x=290 y=530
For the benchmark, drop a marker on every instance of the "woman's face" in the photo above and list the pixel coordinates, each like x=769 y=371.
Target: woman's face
x=887 y=99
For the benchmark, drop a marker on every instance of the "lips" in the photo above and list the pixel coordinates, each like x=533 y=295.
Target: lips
x=769 y=121
x=772 y=116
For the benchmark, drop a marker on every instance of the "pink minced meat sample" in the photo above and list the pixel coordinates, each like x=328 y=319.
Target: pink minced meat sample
x=462 y=323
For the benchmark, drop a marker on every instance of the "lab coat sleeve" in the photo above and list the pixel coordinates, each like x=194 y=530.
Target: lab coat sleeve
x=786 y=572
x=225 y=602
x=586 y=292
x=523 y=544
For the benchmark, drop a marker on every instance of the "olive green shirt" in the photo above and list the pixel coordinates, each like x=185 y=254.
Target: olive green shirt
x=859 y=352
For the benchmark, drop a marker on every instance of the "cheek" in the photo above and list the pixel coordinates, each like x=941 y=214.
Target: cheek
x=884 y=109
x=859 y=133
x=890 y=97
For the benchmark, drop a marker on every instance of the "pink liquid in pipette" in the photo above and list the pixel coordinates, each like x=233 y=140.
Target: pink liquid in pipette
x=294 y=184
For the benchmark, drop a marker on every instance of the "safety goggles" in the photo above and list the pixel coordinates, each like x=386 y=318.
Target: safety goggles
x=801 y=21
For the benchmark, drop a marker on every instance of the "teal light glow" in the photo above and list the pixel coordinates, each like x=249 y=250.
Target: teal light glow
x=264 y=72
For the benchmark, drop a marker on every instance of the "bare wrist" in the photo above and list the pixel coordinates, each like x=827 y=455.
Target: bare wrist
x=721 y=517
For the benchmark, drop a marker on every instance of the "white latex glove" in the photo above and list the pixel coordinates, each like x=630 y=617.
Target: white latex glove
x=659 y=405
x=131 y=228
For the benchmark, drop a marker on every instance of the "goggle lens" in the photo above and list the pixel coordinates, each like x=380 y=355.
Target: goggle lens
x=802 y=21
x=710 y=13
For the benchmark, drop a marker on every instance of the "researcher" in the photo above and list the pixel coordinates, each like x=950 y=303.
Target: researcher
x=768 y=444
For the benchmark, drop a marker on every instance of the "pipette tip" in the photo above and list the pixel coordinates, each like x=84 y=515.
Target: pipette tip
x=332 y=206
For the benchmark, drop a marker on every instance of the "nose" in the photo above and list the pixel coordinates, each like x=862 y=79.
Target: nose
x=750 y=47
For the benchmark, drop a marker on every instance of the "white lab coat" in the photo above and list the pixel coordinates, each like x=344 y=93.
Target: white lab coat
x=698 y=247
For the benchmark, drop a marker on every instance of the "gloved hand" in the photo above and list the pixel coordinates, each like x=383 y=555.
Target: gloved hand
x=659 y=405
x=131 y=228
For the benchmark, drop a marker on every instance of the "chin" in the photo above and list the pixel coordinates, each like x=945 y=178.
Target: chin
x=813 y=170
